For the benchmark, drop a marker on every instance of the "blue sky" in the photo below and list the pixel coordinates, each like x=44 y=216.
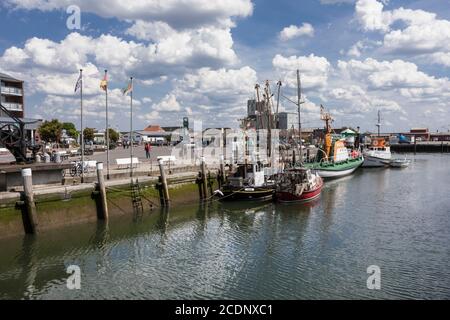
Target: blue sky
x=203 y=58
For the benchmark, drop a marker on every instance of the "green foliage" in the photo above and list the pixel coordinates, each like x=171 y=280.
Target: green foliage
x=113 y=136
x=50 y=131
x=88 y=134
x=71 y=130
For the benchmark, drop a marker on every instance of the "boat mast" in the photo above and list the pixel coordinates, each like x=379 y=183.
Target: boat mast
x=277 y=118
x=379 y=123
x=299 y=94
x=325 y=116
x=270 y=119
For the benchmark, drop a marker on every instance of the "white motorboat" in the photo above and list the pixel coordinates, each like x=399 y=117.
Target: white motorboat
x=399 y=163
x=377 y=154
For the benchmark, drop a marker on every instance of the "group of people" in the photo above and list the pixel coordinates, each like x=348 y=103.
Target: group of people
x=126 y=144
x=147 y=147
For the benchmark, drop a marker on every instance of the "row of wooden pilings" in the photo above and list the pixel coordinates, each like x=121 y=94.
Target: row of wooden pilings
x=29 y=212
x=204 y=181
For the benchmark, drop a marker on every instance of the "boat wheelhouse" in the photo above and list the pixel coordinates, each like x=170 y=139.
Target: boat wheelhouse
x=377 y=154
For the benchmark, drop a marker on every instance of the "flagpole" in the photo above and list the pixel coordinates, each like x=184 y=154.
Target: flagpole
x=131 y=127
x=82 y=131
x=107 y=127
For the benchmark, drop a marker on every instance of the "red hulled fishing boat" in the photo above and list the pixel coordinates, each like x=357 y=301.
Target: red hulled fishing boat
x=298 y=185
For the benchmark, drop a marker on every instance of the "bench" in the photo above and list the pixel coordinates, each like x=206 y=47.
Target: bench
x=170 y=159
x=89 y=165
x=63 y=155
x=125 y=163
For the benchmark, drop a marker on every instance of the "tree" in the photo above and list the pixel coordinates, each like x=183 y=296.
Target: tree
x=71 y=130
x=50 y=131
x=88 y=134
x=113 y=136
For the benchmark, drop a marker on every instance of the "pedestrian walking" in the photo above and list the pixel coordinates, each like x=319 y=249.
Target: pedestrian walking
x=147 y=150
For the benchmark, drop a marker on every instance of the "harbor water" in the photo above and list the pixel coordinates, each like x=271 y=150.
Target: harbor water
x=396 y=219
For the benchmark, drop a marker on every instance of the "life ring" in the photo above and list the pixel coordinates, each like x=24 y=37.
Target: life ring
x=375 y=143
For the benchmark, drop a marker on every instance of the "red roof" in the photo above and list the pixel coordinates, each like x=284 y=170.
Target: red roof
x=154 y=129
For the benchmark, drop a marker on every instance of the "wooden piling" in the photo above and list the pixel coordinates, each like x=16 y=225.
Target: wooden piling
x=221 y=176
x=204 y=179
x=165 y=190
x=30 y=219
x=199 y=182
x=104 y=213
x=210 y=183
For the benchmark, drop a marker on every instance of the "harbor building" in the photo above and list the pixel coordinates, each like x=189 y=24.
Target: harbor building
x=13 y=100
x=419 y=134
x=257 y=117
x=440 y=136
x=12 y=95
x=287 y=120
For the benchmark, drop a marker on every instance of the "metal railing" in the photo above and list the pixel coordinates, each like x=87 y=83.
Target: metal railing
x=13 y=106
x=12 y=91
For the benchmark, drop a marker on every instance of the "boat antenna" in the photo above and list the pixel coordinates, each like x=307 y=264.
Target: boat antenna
x=379 y=123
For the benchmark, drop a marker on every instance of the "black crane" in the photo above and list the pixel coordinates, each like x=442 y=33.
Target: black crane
x=13 y=138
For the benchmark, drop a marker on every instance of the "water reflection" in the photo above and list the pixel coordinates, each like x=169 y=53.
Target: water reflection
x=101 y=237
x=162 y=223
x=253 y=250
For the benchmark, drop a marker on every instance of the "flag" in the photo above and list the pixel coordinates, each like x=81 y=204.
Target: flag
x=79 y=82
x=104 y=82
x=128 y=89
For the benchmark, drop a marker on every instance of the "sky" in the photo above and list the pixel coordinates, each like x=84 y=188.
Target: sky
x=202 y=59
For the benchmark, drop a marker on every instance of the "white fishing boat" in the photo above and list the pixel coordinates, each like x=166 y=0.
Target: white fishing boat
x=377 y=154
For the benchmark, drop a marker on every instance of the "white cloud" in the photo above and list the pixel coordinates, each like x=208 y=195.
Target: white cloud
x=359 y=100
x=422 y=33
x=151 y=116
x=168 y=104
x=387 y=75
x=68 y=107
x=355 y=50
x=441 y=58
x=314 y=70
x=173 y=38
x=178 y=13
x=173 y=55
x=14 y=56
x=151 y=31
x=216 y=96
x=293 y=31
x=369 y=13
x=336 y=1
x=432 y=36
x=393 y=86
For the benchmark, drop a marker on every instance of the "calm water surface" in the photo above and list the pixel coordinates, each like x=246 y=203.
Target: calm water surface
x=396 y=219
